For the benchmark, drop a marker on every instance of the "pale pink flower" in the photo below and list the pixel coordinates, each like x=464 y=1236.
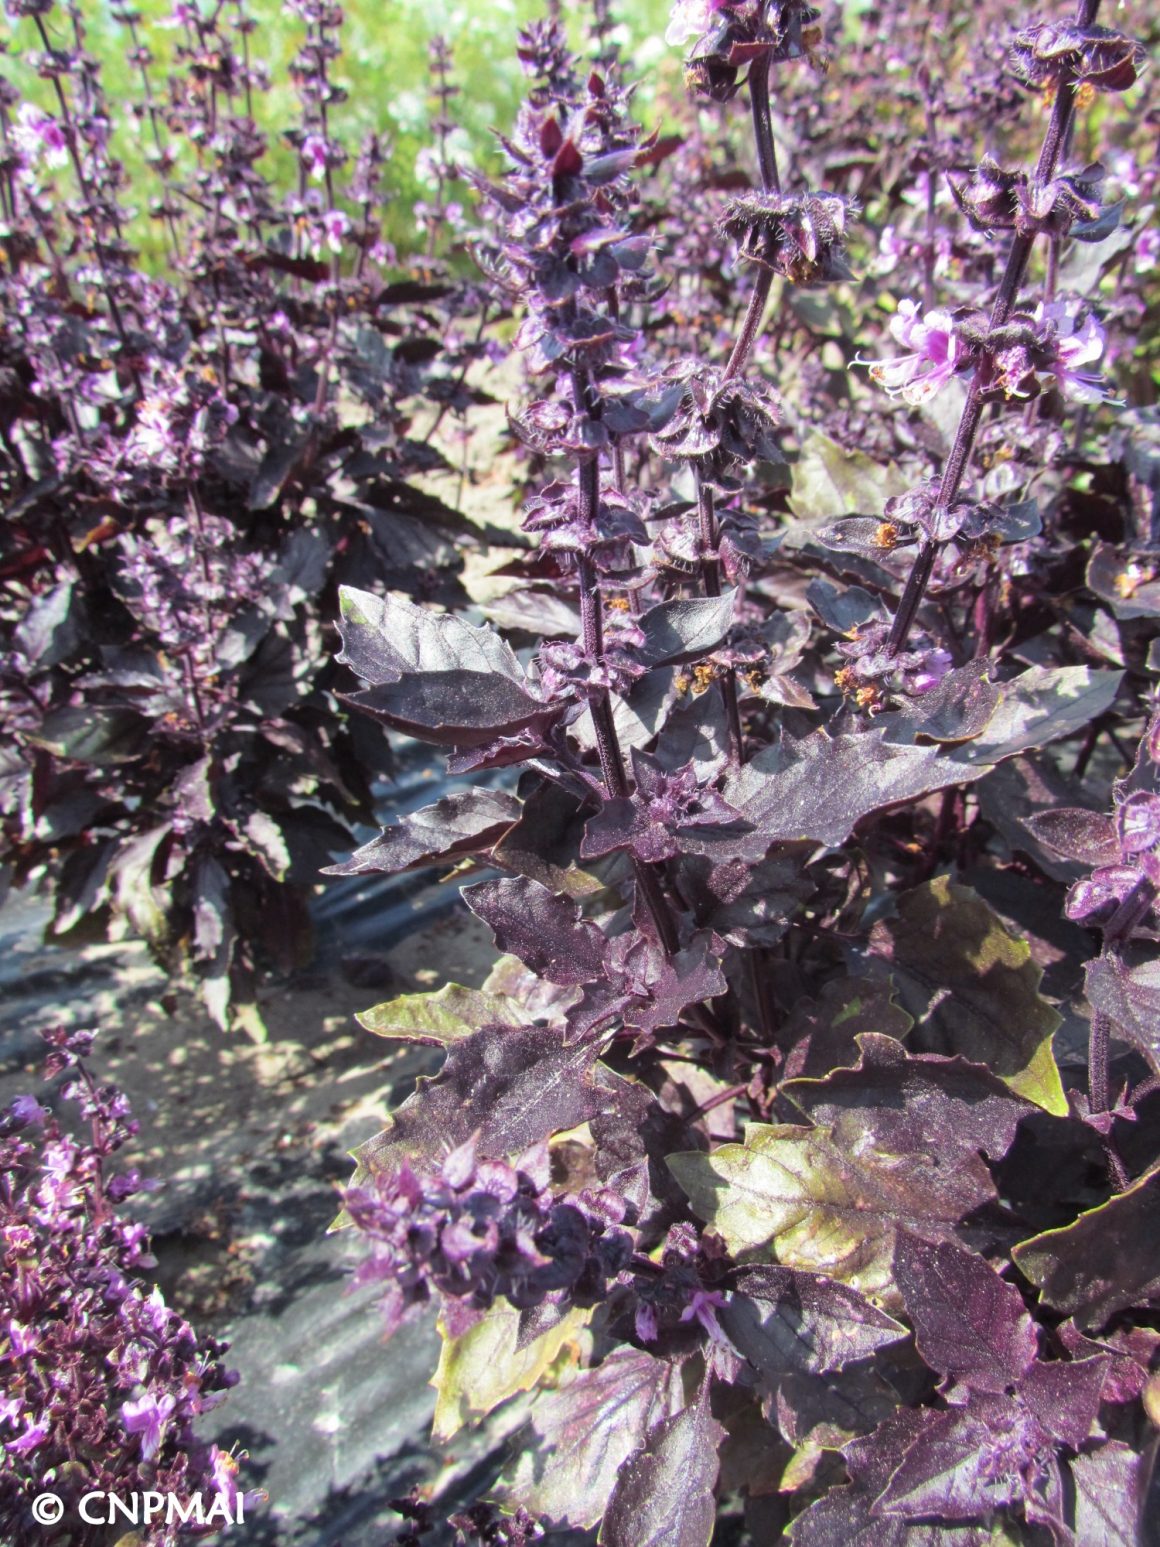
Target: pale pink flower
x=1075 y=345
x=935 y=354
x=691 y=18
x=39 y=136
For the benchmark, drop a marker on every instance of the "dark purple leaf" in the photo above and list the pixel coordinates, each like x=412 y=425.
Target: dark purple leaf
x=959 y=708
x=822 y=786
x=843 y=1518
x=666 y=803
x=49 y=630
x=685 y=630
x=544 y=842
x=969 y=1324
x=512 y=1086
x=1130 y=1352
x=469 y=822
x=821 y=1033
x=1065 y=1397
x=1107 y=1261
x=433 y=675
x=1086 y=836
x=972 y=988
x=92 y=735
x=967 y=1462
x=1130 y=997
x=663 y=986
x=542 y=928
x=824 y=1411
x=664 y=1493
x=1111 y=1493
x=1130 y=588
x=946 y=1109
x=783 y=1319
x=745 y=903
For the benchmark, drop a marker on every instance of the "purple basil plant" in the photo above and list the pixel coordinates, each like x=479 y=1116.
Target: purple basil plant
x=774 y=1156
x=194 y=453
x=101 y=1383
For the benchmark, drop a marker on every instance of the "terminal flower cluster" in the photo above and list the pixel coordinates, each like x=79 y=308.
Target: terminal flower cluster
x=474 y=1229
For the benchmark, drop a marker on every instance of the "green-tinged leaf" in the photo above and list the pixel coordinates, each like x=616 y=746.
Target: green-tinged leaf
x=440 y=1018
x=91 y=735
x=972 y=988
x=828 y=481
x=664 y=1493
x=1106 y=1261
x=486 y=1365
x=264 y=839
x=580 y=1435
x=794 y=1193
x=139 y=903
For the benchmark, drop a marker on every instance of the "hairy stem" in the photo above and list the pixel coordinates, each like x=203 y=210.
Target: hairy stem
x=763 y=125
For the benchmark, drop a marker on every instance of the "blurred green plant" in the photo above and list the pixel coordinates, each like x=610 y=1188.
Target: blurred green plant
x=383 y=68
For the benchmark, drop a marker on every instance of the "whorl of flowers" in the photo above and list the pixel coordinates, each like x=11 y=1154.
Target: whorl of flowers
x=474 y=1230
x=100 y=1382
x=993 y=199
x=941 y=344
x=801 y=236
x=719 y=421
x=727 y=35
x=1047 y=52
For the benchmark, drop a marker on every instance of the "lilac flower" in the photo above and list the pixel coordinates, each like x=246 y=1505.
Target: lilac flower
x=26 y=1109
x=147 y=1416
x=40 y=136
x=1146 y=251
x=936 y=354
x=35 y=1434
x=703 y=1307
x=336 y=228
x=315 y=155
x=691 y=18
x=1074 y=345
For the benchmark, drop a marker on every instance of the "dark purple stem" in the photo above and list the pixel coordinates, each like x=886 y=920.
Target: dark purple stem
x=1062 y=113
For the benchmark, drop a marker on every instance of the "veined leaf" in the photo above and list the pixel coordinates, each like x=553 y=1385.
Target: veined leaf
x=433 y=675
x=440 y=1018
x=972 y=988
x=486 y=1365
x=664 y=1493
x=795 y=1193
x=580 y=1435
x=1105 y=1262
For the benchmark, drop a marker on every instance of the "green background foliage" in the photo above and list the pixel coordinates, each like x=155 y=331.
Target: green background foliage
x=383 y=69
